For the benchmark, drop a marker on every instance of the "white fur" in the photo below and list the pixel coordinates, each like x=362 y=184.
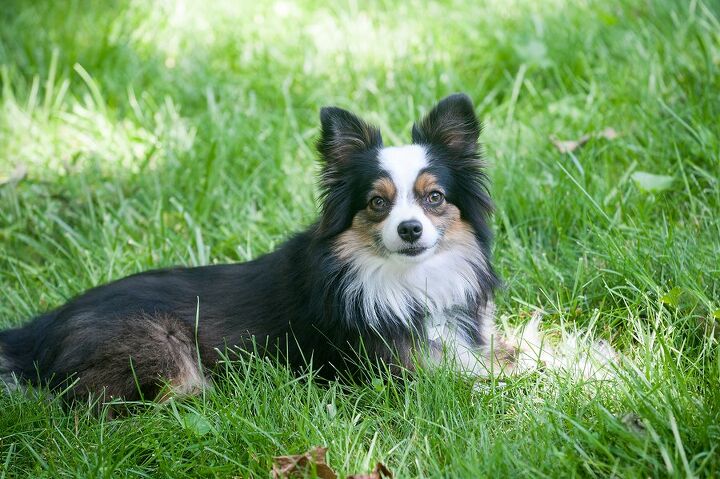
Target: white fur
x=444 y=281
x=576 y=354
x=9 y=383
x=446 y=338
x=389 y=286
x=191 y=380
x=404 y=164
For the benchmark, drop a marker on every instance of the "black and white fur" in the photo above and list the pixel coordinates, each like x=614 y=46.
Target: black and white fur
x=348 y=286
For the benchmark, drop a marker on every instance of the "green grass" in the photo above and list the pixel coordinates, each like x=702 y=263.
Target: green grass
x=162 y=133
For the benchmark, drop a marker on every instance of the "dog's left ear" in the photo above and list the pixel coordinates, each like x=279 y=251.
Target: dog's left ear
x=451 y=124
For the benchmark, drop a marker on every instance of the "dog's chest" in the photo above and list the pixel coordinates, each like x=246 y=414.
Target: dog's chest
x=439 y=295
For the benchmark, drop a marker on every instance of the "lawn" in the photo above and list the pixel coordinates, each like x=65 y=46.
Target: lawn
x=136 y=135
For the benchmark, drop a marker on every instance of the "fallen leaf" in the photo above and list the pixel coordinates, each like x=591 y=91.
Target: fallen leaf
x=650 y=182
x=378 y=472
x=608 y=133
x=568 y=146
x=297 y=466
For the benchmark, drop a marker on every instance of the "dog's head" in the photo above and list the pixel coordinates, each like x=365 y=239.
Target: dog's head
x=404 y=203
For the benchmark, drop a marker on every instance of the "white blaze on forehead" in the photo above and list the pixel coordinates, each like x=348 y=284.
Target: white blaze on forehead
x=404 y=164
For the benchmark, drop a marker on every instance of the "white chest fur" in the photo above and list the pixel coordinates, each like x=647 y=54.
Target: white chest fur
x=390 y=288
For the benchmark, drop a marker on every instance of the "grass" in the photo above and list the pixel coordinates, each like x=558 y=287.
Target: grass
x=162 y=133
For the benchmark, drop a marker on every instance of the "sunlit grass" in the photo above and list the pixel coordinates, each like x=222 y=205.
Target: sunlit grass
x=179 y=132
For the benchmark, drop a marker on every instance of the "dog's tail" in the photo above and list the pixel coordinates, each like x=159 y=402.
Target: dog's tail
x=575 y=353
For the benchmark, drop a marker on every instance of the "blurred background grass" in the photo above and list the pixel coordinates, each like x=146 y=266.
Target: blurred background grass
x=143 y=134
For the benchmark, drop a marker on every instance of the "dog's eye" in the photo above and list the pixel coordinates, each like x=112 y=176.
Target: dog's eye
x=434 y=198
x=378 y=203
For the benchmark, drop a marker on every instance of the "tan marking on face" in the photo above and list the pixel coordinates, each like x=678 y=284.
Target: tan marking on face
x=383 y=187
x=455 y=231
x=446 y=216
x=426 y=183
x=442 y=215
x=366 y=229
x=362 y=236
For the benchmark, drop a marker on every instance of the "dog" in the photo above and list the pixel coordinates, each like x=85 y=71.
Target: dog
x=398 y=269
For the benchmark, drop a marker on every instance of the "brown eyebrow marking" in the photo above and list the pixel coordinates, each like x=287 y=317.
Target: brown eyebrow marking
x=425 y=183
x=383 y=187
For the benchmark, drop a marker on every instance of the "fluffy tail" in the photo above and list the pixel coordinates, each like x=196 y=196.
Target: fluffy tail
x=577 y=354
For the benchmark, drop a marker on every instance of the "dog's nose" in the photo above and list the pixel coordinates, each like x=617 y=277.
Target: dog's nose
x=410 y=230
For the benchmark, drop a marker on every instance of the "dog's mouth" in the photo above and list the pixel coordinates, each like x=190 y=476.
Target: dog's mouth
x=413 y=250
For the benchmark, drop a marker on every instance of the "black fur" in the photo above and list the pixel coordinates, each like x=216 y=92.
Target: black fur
x=125 y=338
x=347 y=147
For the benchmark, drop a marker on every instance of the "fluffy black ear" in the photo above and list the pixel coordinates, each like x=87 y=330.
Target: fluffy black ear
x=451 y=124
x=343 y=140
x=344 y=135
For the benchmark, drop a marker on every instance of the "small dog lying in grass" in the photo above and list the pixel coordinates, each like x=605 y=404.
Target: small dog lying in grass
x=398 y=268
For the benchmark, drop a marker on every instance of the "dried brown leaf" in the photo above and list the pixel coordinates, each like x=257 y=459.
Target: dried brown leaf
x=378 y=472
x=300 y=465
x=297 y=466
x=608 y=133
x=569 y=146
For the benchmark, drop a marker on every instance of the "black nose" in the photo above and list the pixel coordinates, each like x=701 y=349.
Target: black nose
x=410 y=230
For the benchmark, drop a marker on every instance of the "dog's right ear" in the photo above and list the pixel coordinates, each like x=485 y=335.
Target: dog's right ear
x=344 y=135
x=343 y=138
